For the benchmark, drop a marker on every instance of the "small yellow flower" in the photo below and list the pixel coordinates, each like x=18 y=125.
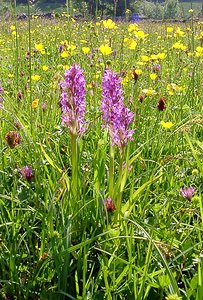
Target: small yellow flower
x=161 y=55
x=132 y=27
x=140 y=34
x=10 y=75
x=85 y=50
x=35 y=103
x=190 y=11
x=167 y=124
x=39 y=47
x=12 y=27
x=35 y=77
x=105 y=49
x=64 y=54
x=179 y=32
x=145 y=58
x=149 y=92
x=153 y=76
x=45 y=68
x=138 y=71
x=130 y=43
x=199 y=51
x=179 y=45
x=169 y=29
x=109 y=24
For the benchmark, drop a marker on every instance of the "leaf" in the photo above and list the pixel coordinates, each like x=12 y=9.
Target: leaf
x=128 y=207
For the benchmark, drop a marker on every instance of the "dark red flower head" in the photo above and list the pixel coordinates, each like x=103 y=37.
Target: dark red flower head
x=161 y=105
x=109 y=204
x=13 y=139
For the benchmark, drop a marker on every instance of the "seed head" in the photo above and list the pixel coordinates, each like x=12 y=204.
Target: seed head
x=13 y=139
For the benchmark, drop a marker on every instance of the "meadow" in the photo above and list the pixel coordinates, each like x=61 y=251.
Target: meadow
x=101 y=175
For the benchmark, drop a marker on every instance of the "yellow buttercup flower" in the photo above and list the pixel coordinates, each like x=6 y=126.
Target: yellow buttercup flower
x=35 y=77
x=161 y=55
x=173 y=88
x=10 y=75
x=85 y=50
x=12 y=27
x=138 y=71
x=140 y=34
x=40 y=48
x=179 y=32
x=145 y=58
x=153 y=76
x=64 y=54
x=45 y=68
x=35 y=103
x=179 y=45
x=169 y=29
x=130 y=43
x=199 y=51
x=109 y=24
x=149 y=92
x=132 y=27
x=167 y=125
x=105 y=49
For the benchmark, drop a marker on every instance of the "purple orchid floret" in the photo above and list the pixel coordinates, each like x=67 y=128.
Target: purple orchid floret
x=187 y=193
x=73 y=100
x=116 y=116
x=26 y=173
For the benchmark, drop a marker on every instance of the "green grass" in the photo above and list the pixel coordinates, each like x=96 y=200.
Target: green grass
x=57 y=239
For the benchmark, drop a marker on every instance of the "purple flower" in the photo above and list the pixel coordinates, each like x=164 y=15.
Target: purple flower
x=156 y=68
x=26 y=173
x=109 y=204
x=73 y=100
x=115 y=115
x=60 y=48
x=187 y=193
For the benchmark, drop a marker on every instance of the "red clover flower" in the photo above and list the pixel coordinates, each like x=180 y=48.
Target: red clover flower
x=26 y=173
x=187 y=193
x=109 y=205
x=13 y=139
x=161 y=105
x=73 y=100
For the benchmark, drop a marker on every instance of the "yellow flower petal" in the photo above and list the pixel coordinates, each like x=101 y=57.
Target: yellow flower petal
x=167 y=124
x=35 y=103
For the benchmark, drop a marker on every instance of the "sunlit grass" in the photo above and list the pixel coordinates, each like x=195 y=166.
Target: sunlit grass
x=59 y=243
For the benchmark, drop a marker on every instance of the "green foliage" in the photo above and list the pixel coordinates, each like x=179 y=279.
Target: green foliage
x=171 y=9
x=57 y=239
x=149 y=9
